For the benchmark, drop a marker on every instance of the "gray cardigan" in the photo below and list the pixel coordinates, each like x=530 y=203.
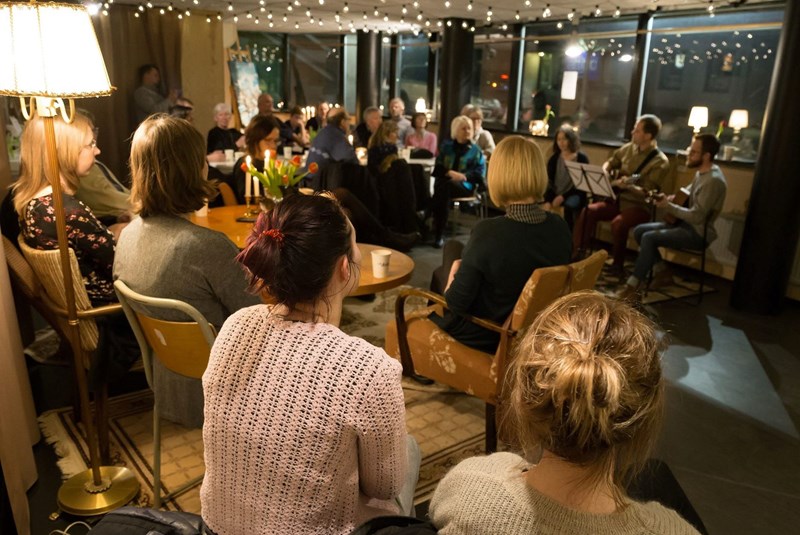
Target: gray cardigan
x=170 y=257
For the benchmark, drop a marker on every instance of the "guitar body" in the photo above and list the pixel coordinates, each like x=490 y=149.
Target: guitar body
x=681 y=198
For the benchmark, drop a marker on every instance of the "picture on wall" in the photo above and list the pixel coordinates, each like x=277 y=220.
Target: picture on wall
x=245 y=85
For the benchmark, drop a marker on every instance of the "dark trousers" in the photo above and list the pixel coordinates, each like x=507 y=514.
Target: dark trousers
x=398 y=199
x=445 y=189
x=621 y=223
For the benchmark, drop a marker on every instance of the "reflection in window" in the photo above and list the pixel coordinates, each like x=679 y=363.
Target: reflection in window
x=386 y=56
x=350 y=69
x=412 y=71
x=725 y=70
x=491 y=78
x=266 y=51
x=313 y=69
x=584 y=79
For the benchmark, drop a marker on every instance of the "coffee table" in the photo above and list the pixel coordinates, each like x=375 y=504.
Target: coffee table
x=401 y=266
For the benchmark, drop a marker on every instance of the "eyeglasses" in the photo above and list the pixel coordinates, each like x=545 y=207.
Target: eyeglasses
x=92 y=145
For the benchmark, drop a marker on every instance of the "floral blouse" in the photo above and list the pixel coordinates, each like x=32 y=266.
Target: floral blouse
x=92 y=242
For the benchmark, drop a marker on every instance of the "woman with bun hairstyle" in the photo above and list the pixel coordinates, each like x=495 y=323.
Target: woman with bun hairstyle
x=584 y=405
x=304 y=425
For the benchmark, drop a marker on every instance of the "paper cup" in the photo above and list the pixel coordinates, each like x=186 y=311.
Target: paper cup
x=287 y=153
x=229 y=155
x=202 y=212
x=380 y=263
x=727 y=152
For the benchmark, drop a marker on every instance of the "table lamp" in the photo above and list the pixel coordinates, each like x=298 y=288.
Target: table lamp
x=738 y=120
x=698 y=118
x=51 y=53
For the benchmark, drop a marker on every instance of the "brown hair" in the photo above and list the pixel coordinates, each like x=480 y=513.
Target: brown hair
x=293 y=249
x=709 y=144
x=381 y=135
x=651 y=124
x=167 y=168
x=416 y=116
x=586 y=385
x=572 y=139
x=70 y=140
x=517 y=171
x=259 y=128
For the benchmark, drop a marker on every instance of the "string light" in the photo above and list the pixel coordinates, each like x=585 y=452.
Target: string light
x=516 y=16
x=230 y=6
x=616 y=13
x=469 y=6
x=597 y=11
x=546 y=12
x=447 y=4
x=345 y=9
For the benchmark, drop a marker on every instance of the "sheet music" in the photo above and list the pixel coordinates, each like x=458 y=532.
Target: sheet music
x=590 y=178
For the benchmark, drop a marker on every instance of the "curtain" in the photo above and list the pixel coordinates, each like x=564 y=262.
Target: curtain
x=127 y=42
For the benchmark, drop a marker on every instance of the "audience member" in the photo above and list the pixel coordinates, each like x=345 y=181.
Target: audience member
x=396 y=110
x=706 y=196
x=397 y=206
x=304 y=425
x=419 y=137
x=261 y=135
x=460 y=167
x=222 y=138
x=162 y=254
x=502 y=252
x=640 y=168
x=331 y=144
x=180 y=111
x=482 y=138
x=560 y=189
x=320 y=119
x=371 y=120
x=293 y=132
x=147 y=98
x=584 y=405
x=266 y=104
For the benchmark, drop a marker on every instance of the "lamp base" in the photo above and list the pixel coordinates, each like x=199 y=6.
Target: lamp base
x=79 y=496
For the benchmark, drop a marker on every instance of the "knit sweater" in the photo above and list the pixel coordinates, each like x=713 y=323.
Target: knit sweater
x=304 y=428
x=490 y=495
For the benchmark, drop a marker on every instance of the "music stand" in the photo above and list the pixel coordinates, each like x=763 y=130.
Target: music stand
x=593 y=180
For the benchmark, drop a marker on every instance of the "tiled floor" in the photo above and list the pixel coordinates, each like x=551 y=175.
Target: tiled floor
x=731 y=425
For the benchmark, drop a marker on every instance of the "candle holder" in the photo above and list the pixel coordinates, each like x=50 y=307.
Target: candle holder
x=250 y=211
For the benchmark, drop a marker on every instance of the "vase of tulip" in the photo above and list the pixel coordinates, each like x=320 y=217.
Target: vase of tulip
x=277 y=178
x=541 y=127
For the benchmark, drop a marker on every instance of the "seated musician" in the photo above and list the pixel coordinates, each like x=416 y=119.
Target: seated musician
x=641 y=157
x=706 y=196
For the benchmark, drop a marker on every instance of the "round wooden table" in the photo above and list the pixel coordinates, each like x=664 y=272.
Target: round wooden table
x=401 y=266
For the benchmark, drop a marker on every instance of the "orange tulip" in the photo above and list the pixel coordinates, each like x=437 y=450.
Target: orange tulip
x=244 y=166
x=296 y=161
x=285 y=180
x=313 y=167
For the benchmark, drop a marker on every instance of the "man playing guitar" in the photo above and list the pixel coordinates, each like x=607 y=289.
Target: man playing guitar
x=706 y=197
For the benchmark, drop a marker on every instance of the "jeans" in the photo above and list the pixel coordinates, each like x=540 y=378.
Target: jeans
x=651 y=236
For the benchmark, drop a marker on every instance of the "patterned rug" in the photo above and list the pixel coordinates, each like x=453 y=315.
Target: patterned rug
x=681 y=287
x=448 y=425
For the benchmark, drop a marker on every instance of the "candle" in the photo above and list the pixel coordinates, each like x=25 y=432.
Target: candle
x=350 y=138
x=266 y=159
x=247 y=182
x=256 y=187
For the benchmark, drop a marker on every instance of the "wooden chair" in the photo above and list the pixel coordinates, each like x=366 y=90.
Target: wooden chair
x=182 y=347
x=46 y=266
x=227 y=194
x=423 y=348
x=584 y=273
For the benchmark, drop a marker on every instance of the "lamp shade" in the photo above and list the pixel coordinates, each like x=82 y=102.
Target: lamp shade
x=50 y=50
x=698 y=117
x=739 y=119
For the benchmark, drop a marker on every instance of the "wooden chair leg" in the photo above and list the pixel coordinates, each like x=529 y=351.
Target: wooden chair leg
x=491 y=428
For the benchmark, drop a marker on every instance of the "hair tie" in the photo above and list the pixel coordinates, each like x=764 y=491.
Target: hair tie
x=275 y=235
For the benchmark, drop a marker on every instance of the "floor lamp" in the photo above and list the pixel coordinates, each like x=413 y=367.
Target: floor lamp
x=50 y=53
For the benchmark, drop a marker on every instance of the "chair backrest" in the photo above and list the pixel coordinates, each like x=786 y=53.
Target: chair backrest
x=228 y=196
x=584 y=273
x=182 y=347
x=545 y=286
x=21 y=272
x=47 y=267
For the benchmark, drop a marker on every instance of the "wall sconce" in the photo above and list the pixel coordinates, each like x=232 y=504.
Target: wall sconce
x=738 y=120
x=698 y=118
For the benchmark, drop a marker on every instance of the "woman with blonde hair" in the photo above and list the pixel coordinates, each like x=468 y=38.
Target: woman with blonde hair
x=92 y=241
x=584 y=405
x=502 y=252
x=163 y=254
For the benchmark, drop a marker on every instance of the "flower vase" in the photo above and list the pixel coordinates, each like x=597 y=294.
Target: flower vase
x=268 y=202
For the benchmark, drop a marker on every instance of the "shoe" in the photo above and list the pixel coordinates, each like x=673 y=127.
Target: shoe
x=661 y=279
x=629 y=294
x=438 y=242
x=401 y=242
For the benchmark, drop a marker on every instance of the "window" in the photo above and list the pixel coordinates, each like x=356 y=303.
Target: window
x=350 y=67
x=491 y=77
x=266 y=51
x=314 y=62
x=725 y=69
x=412 y=71
x=584 y=77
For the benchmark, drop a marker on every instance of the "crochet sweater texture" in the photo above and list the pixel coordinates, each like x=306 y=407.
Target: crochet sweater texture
x=489 y=495
x=304 y=428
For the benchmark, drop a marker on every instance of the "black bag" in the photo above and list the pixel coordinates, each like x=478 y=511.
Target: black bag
x=395 y=525
x=141 y=521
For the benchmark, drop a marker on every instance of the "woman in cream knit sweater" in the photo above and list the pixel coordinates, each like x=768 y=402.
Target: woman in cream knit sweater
x=584 y=404
x=304 y=425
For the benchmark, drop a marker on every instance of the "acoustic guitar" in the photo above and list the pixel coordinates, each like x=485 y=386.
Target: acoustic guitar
x=681 y=198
